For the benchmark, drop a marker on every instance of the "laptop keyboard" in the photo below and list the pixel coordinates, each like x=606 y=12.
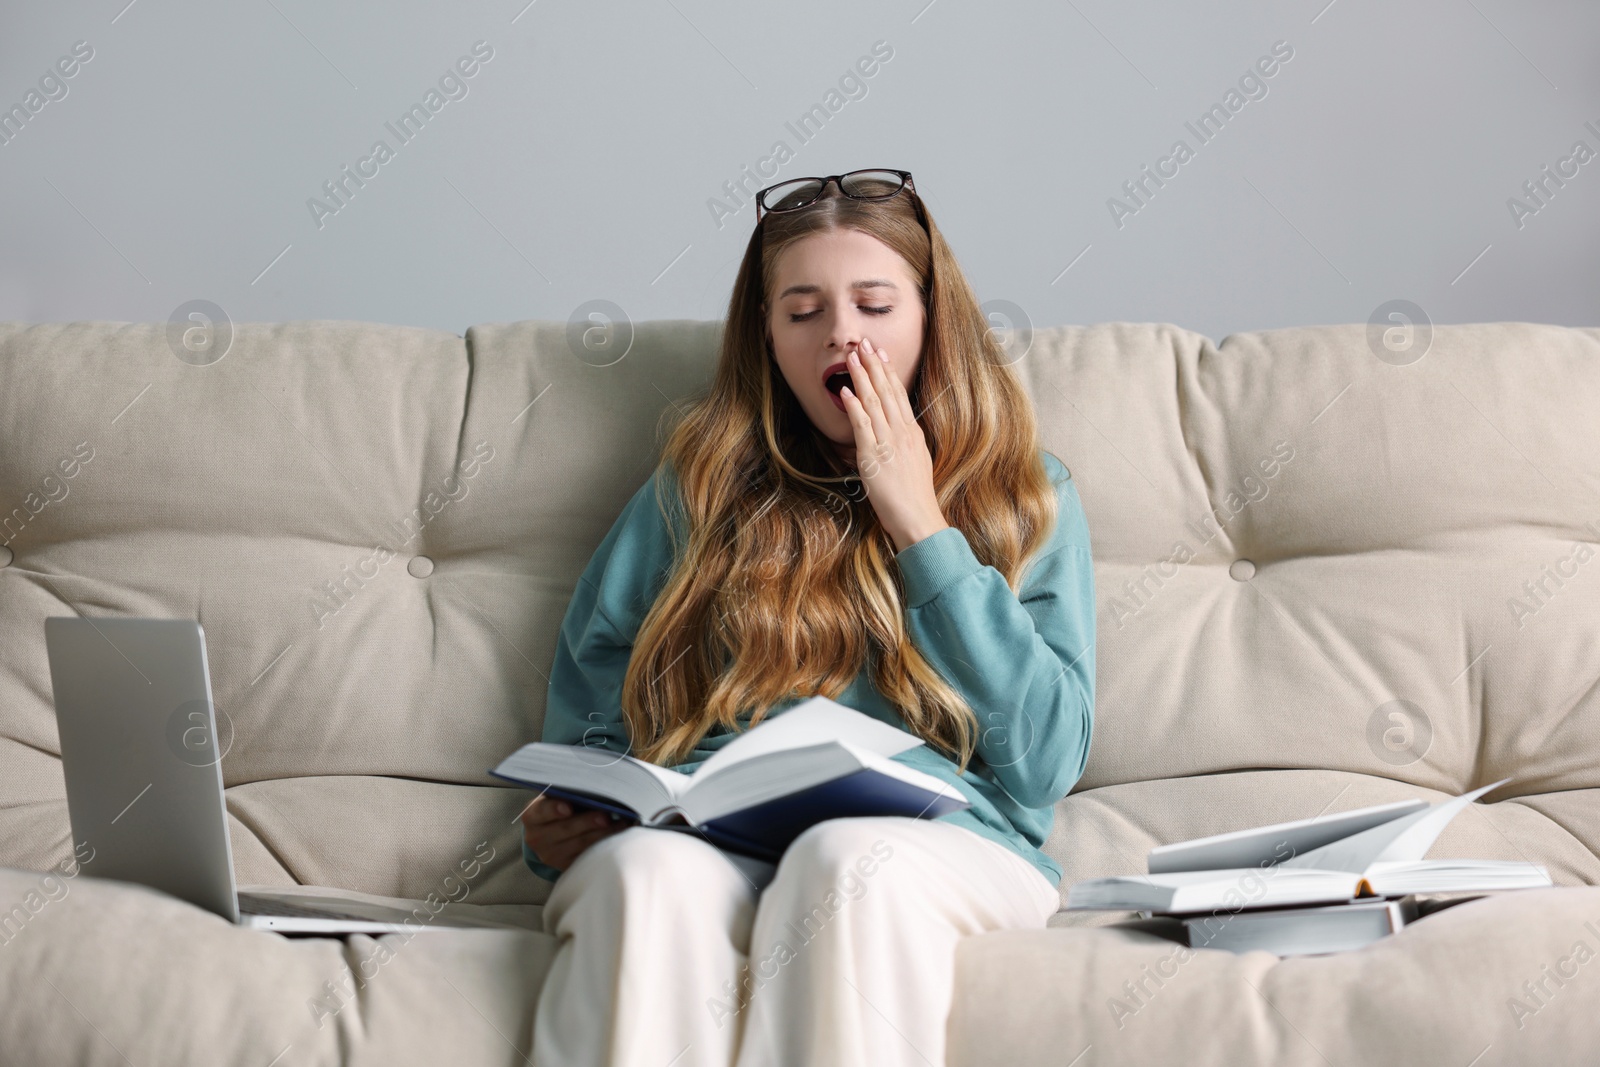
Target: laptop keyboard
x=253 y=906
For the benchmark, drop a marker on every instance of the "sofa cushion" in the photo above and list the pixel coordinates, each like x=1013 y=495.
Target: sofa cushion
x=103 y=973
x=1504 y=980
x=367 y=693
x=97 y=970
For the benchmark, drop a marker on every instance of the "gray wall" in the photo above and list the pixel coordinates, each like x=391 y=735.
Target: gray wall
x=1381 y=161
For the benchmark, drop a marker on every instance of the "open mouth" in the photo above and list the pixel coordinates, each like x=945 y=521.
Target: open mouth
x=835 y=378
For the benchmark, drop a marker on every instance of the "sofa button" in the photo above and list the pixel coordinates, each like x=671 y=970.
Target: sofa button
x=1242 y=570
x=419 y=567
x=5 y=556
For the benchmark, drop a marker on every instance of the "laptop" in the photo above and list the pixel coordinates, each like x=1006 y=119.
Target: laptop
x=139 y=751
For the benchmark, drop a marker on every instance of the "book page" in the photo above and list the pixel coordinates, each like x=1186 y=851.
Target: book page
x=753 y=782
x=625 y=780
x=1185 y=891
x=607 y=765
x=1404 y=839
x=810 y=722
x=1263 y=846
x=673 y=783
x=1455 y=876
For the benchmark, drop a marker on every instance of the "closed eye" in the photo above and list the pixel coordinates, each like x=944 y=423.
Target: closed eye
x=870 y=310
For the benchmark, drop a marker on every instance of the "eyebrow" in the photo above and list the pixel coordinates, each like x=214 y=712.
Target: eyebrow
x=870 y=283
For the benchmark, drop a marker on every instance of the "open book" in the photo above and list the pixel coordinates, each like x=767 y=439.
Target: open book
x=817 y=760
x=1370 y=852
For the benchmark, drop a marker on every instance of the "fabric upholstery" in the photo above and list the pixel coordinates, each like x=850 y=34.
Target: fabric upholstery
x=1290 y=535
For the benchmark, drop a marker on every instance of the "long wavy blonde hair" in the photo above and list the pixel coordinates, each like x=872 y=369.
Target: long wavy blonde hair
x=788 y=583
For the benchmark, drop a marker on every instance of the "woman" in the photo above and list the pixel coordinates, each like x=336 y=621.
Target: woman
x=901 y=546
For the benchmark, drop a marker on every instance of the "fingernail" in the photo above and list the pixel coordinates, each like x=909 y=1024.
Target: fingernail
x=854 y=360
x=881 y=354
x=566 y=809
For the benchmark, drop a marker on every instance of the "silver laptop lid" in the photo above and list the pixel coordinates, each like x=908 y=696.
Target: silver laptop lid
x=139 y=752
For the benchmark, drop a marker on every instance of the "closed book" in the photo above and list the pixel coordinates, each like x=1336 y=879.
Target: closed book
x=1303 y=931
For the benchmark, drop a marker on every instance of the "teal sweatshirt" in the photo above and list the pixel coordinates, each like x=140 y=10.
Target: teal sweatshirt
x=1024 y=664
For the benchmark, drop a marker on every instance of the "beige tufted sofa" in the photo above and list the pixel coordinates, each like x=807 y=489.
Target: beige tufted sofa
x=1329 y=575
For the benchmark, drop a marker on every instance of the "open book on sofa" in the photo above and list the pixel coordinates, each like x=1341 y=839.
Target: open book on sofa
x=1370 y=852
x=817 y=760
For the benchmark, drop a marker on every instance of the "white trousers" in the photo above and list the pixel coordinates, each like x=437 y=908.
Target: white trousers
x=673 y=956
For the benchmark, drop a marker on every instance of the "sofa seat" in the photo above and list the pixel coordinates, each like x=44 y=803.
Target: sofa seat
x=1102 y=984
x=107 y=972
x=1477 y=983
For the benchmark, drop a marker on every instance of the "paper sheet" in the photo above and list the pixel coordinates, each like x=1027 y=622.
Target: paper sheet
x=1404 y=839
x=812 y=722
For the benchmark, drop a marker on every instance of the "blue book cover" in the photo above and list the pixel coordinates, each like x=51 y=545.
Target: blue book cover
x=766 y=830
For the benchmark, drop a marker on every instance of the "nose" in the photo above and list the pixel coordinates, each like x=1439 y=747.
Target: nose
x=844 y=335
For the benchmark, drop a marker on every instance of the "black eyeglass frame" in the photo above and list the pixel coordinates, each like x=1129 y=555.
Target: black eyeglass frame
x=762 y=210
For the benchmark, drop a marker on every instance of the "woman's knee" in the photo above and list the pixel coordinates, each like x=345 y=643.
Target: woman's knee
x=843 y=854
x=649 y=856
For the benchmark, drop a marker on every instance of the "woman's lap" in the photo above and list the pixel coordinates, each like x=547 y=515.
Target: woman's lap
x=843 y=856
x=654 y=861
x=917 y=863
x=665 y=939
x=851 y=952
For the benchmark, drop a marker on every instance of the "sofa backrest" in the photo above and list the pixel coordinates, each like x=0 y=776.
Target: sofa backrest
x=380 y=527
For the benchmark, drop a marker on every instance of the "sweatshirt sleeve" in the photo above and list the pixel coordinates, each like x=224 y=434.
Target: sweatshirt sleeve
x=595 y=642
x=1023 y=662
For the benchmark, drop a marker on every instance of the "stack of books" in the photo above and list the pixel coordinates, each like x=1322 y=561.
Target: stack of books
x=1309 y=887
